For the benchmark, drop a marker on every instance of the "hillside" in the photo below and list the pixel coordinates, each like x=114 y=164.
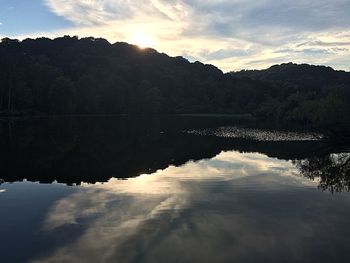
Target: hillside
x=69 y=75
x=305 y=93
x=303 y=75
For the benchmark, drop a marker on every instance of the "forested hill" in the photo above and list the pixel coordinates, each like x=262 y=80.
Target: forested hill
x=304 y=93
x=69 y=75
x=307 y=76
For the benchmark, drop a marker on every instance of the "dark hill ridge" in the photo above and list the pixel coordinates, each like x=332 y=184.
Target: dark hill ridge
x=302 y=74
x=69 y=75
x=304 y=93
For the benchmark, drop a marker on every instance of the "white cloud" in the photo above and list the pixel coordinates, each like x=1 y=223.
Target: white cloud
x=141 y=211
x=231 y=34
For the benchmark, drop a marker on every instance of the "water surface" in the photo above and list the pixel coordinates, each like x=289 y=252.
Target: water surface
x=119 y=189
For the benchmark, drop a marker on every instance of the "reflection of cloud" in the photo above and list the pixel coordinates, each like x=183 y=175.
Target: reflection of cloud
x=167 y=213
x=2 y=191
x=230 y=34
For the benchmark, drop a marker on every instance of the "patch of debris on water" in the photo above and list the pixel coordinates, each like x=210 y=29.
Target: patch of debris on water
x=257 y=134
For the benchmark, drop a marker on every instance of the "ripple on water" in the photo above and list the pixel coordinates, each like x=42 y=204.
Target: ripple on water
x=257 y=134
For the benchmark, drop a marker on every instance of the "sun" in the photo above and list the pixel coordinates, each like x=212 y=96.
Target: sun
x=142 y=40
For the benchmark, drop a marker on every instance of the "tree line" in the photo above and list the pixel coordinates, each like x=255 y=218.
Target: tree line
x=68 y=75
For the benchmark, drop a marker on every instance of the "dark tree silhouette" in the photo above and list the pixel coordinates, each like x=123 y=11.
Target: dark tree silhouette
x=69 y=75
x=332 y=171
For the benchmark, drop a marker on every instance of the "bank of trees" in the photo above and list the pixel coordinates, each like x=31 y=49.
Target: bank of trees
x=69 y=75
x=313 y=95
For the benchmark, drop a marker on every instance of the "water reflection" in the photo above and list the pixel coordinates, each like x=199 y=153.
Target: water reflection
x=72 y=150
x=332 y=171
x=188 y=198
x=235 y=207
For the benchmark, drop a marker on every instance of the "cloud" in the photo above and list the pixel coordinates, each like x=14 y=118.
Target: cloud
x=85 y=12
x=165 y=184
x=231 y=34
x=197 y=205
x=323 y=44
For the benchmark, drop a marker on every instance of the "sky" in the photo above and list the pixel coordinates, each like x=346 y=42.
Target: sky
x=230 y=34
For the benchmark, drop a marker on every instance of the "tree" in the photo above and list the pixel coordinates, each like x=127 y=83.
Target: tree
x=61 y=96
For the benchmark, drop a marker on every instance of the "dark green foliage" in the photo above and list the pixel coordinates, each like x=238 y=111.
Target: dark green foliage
x=68 y=75
x=317 y=96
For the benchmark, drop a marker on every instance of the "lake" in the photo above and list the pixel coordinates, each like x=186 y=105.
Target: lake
x=170 y=189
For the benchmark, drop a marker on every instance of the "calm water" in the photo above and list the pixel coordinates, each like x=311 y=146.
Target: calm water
x=179 y=189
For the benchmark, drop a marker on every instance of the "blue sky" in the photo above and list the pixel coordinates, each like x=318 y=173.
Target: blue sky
x=231 y=34
x=28 y=16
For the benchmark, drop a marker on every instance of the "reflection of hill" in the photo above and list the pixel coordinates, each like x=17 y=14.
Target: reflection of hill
x=72 y=150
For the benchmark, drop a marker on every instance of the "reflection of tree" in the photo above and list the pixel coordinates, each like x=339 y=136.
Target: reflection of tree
x=332 y=171
x=93 y=149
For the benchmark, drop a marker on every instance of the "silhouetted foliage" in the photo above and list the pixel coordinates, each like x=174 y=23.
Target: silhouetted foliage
x=69 y=75
x=312 y=95
x=332 y=171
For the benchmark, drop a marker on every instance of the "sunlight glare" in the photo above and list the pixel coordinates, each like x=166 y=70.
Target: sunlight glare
x=142 y=40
